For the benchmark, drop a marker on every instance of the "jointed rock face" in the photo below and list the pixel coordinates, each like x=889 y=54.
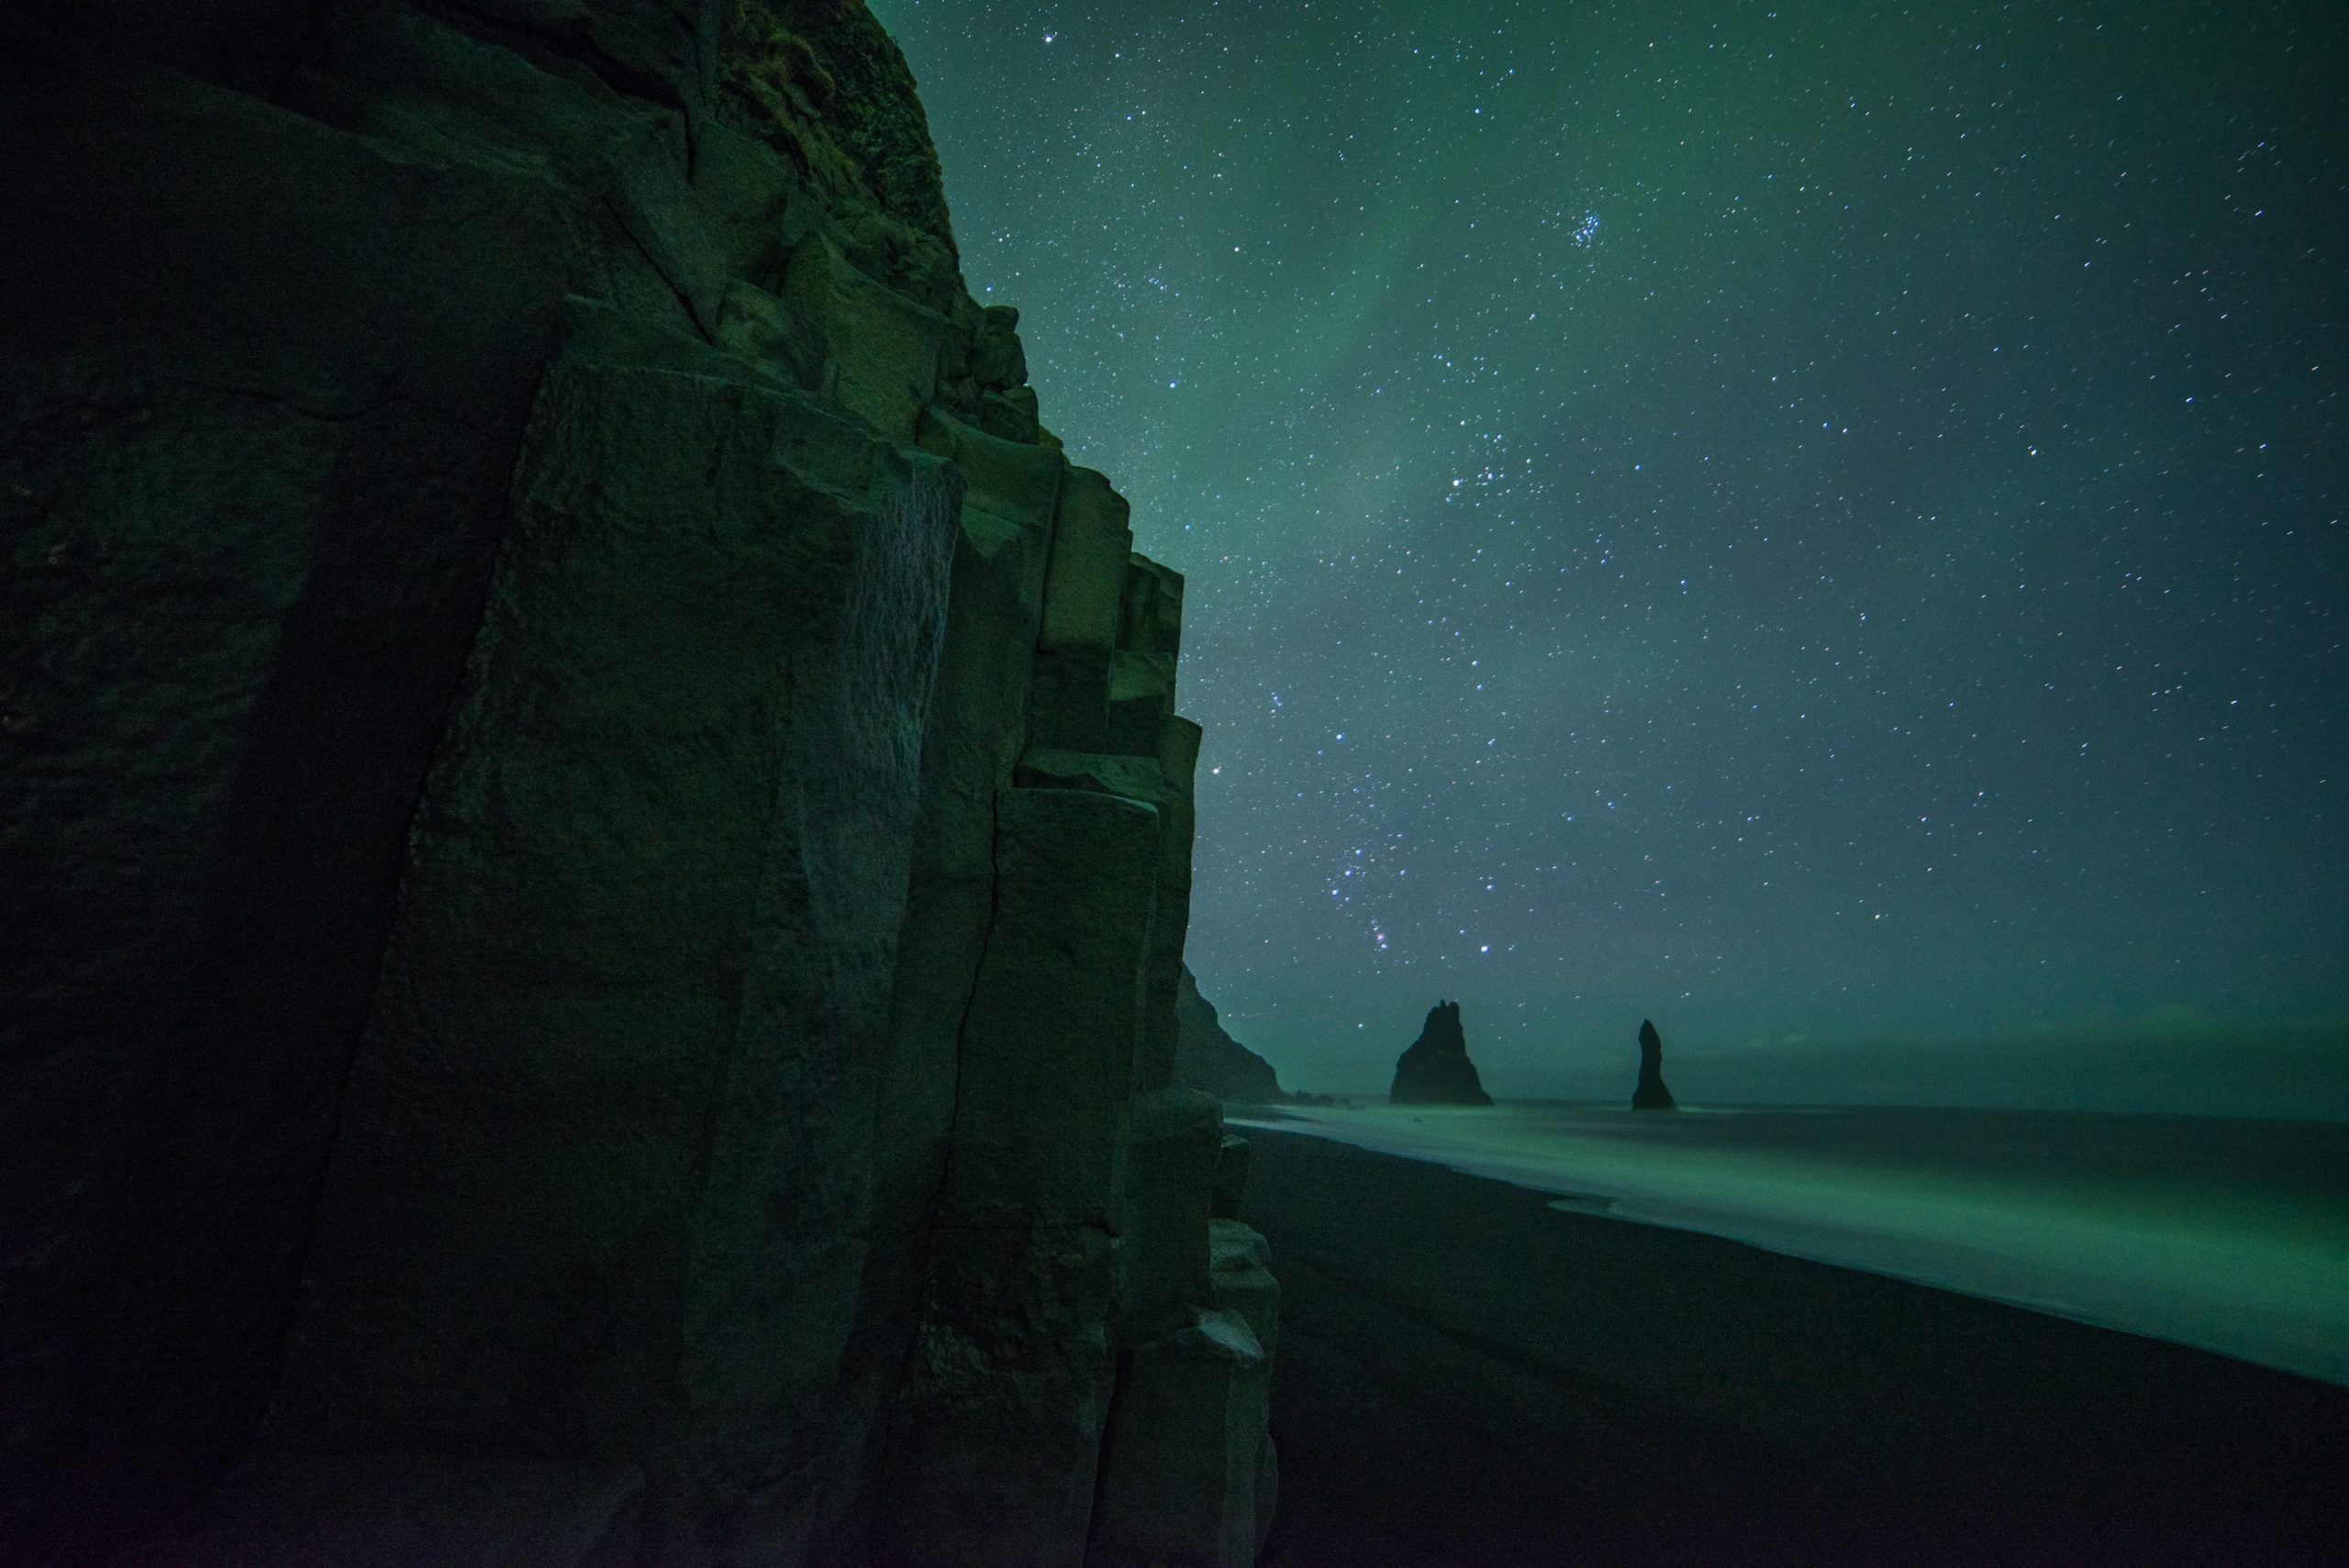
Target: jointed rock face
x=1435 y=1070
x=600 y=840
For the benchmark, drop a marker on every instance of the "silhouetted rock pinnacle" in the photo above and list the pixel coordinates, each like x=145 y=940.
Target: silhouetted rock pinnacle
x=1436 y=1071
x=1652 y=1095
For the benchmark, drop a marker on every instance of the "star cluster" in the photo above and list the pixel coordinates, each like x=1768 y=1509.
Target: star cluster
x=1815 y=520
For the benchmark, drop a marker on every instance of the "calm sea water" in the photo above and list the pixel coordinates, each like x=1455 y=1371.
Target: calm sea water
x=2231 y=1235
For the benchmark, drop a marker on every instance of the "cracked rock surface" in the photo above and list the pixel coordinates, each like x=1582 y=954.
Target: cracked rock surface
x=599 y=834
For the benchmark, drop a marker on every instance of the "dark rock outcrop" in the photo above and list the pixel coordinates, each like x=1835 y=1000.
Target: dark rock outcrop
x=1650 y=1095
x=1435 y=1070
x=1207 y=1059
x=598 y=837
x=1230 y=1177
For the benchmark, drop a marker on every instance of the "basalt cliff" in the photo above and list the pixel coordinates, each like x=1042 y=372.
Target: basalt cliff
x=597 y=841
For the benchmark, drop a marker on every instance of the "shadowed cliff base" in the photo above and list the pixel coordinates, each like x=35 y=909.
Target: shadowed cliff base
x=1468 y=1377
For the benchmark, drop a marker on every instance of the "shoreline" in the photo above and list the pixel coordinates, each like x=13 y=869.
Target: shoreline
x=1468 y=1374
x=2214 y=1234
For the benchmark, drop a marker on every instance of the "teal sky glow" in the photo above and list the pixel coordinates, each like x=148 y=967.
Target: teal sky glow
x=1812 y=520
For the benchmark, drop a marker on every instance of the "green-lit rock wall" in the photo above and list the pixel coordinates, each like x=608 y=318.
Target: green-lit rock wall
x=597 y=839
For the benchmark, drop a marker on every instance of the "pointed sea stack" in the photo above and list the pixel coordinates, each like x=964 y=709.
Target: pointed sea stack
x=1652 y=1095
x=1436 y=1071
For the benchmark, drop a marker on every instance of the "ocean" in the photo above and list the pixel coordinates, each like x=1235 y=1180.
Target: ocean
x=2228 y=1234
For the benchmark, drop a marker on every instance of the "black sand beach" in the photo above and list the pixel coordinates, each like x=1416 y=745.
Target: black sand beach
x=1468 y=1377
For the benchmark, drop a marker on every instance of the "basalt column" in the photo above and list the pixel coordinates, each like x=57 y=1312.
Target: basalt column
x=601 y=841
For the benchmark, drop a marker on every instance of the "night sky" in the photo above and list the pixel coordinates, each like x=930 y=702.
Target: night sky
x=1822 y=521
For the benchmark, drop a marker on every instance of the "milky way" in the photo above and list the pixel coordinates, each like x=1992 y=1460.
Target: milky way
x=1816 y=520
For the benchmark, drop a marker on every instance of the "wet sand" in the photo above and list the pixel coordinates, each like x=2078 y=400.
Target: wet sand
x=1468 y=1377
x=2230 y=1236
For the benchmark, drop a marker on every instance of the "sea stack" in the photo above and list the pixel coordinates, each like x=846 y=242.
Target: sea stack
x=1650 y=1095
x=1436 y=1071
